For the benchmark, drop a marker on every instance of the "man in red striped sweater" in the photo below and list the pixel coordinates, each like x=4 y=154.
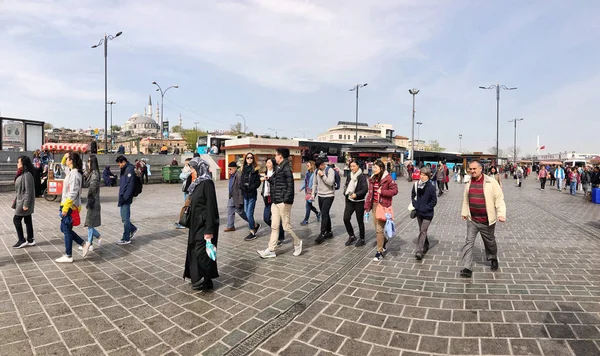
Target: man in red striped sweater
x=483 y=205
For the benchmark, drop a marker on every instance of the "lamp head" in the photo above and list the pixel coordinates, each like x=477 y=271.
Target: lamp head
x=119 y=33
x=482 y=88
x=175 y=86
x=94 y=46
x=154 y=82
x=413 y=91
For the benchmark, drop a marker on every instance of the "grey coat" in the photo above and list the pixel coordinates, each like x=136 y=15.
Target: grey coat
x=93 y=216
x=25 y=189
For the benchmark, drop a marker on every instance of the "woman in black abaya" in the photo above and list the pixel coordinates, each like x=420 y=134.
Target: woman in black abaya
x=204 y=226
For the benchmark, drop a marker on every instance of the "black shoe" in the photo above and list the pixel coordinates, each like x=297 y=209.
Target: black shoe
x=328 y=235
x=419 y=256
x=20 y=244
x=320 y=239
x=207 y=284
x=256 y=228
x=467 y=273
x=250 y=237
x=494 y=264
x=350 y=240
x=360 y=242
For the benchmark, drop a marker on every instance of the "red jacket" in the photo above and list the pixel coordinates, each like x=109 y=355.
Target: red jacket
x=388 y=190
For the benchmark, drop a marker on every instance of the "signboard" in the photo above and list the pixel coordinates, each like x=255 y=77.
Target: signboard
x=165 y=129
x=55 y=187
x=12 y=131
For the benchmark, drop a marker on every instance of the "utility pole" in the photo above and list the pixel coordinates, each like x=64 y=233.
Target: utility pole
x=355 y=88
x=413 y=92
x=460 y=143
x=515 y=139
x=497 y=87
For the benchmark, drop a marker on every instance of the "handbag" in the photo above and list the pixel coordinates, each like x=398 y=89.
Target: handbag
x=76 y=218
x=411 y=208
x=381 y=211
x=14 y=204
x=184 y=214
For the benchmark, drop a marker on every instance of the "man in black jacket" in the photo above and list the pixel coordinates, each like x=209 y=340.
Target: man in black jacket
x=282 y=183
x=126 y=188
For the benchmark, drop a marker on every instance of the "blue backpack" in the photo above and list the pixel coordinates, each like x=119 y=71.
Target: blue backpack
x=337 y=181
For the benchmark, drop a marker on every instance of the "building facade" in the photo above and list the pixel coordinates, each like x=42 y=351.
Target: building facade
x=345 y=132
x=142 y=125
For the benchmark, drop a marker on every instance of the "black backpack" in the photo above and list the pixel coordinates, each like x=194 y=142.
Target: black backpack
x=138 y=183
x=337 y=182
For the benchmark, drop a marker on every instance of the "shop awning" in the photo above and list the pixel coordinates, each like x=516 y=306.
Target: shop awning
x=77 y=147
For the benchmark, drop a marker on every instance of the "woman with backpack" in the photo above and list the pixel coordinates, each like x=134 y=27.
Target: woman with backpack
x=382 y=188
x=249 y=184
x=307 y=187
x=355 y=190
x=24 y=201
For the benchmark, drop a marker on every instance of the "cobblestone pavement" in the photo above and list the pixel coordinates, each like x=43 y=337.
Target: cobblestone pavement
x=332 y=300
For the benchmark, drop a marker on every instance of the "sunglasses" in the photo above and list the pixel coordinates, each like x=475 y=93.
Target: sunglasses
x=250 y=157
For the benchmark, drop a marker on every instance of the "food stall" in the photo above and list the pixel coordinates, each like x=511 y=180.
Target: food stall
x=55 y=170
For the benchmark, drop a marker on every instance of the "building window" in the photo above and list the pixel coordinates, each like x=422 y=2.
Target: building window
x=355 y=137
x=331 y=137
x=340 y=137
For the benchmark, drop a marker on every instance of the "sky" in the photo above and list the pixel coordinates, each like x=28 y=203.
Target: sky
x=288 y=65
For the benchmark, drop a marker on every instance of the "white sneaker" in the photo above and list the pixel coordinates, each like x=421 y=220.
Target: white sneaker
x=32 y=243
x=266 y=254
x=64 y=259
x=80 y=248
x=86 y=248
x=298 y=249
x=98 y=242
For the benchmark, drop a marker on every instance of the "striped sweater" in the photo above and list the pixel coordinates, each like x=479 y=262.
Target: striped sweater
x=477 y=201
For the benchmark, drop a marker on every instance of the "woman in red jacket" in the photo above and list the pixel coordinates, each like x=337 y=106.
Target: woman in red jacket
x=382 y=188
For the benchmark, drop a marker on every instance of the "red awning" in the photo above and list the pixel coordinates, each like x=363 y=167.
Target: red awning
x=77 y=147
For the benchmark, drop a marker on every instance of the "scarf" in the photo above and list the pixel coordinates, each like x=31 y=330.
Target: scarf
x=268 y=185
x=352 y=184
x=19 y=173
x=421 y=184
x=202 y=171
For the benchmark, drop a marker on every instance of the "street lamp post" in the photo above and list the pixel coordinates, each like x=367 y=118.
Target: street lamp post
x=162 y=101
x=111 y=103
x=413 y=92
x=460 y=143
x=196 y=124
x=418 y=132
x=105 y=42
x=243 y=118
x=355 y=88
x=497 y=87
x=515 y=138
x=276 y=136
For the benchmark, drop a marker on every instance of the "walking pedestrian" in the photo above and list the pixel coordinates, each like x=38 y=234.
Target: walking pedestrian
x=200 y=268
x=235 y=204
x=586 y=181
x=559 y=175
x=282 y=182
x=307 y=186
x=440 y=176
x=24 y=201
x=249 y=184
x=542 y=176
x=573 y=180
x=70 y=206
x=324 y=190
x=424 y=201
x=93 y=214
x=126 y=188
x=355 y=190
x=382 y=189
x=495 y=175
x=267 y=193
x=483 y=205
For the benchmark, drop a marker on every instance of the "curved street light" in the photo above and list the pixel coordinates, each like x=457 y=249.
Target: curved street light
x=515 y=120
x=355 y=88
x=243 y=118
x=497 y=87
x=105 y=42
x=162 y=101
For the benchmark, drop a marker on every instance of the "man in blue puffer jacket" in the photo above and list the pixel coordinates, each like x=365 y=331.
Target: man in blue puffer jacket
x=126 y=188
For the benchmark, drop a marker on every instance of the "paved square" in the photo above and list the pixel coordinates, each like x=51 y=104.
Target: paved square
x=332 y=300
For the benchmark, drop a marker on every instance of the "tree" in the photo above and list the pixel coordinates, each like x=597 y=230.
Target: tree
x=190 y=137
x=236 y=128
x=510 y=152
x=48 y=126
x=115 y=128
x=176 y=128
x=434 y=146
x=501 y=153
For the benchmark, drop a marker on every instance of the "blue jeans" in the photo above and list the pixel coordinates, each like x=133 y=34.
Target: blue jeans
x=309 y=208
x=574 y=188
x=66 y=227
x=249 y=205
x=128 y=227
x=267 y=219
x=92 y=232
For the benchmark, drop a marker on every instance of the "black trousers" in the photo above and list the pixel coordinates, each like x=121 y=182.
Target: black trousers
x=357 y=207
x=325 y=205
x=440 y=184
x=19 y=227
x=543 y=183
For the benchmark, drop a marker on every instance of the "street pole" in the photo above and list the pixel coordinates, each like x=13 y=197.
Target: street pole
x=105 y=42
x=515 y=139
x=111 y=126
x=460 y=143
x=196 y=123
x=418 y=132
x=355 y=88
x=162 y=102
x=497 y=87
x=413 y=92
x=243 y=118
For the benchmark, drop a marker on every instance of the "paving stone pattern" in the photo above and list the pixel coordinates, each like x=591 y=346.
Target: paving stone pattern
x=332 y=300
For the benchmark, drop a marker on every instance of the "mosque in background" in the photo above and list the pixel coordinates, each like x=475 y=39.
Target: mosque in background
x=143 y=125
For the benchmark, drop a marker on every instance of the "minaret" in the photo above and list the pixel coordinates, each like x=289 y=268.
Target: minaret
x=149 y=114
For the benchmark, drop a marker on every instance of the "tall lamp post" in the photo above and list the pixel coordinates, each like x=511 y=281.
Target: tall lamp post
x=162 y=101
x=105 y=42
x=497 y=87
x=196 y=124
x=111 y=103
x=276 y=136
x=355 y=88
x=419 y=123
x=413 y=92
x=460 y=143
x=515 y=139
x=243 y=118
